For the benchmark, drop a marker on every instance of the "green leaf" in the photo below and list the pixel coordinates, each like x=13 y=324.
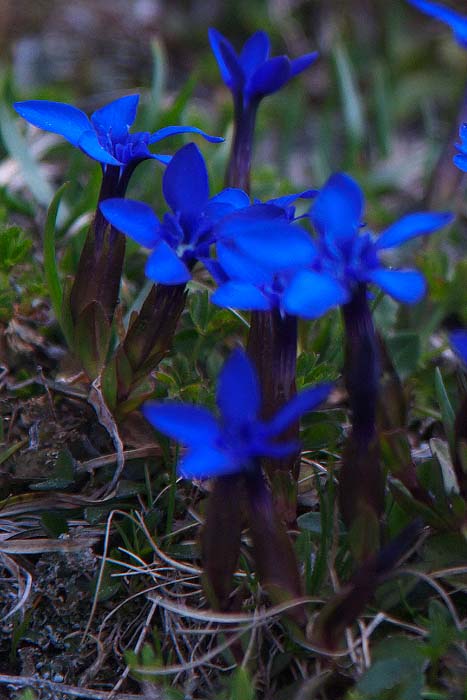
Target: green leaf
x=14 y=247
x=92 y=336
x=200 y=310
x=62 y=476
x=54 y=523
x=20 y=150
x=50 y=259
x=447 y=411
x=241 y=685
x=396 y=674
x=158 y=82
x=405 y=350
x=440 y=449
x=350 y=98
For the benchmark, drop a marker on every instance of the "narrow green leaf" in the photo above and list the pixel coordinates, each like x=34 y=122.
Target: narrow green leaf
x=383 y=104
x=158 y=82
x=447 y=411
x=242 y=687
x=351 y=102
x=20 y=150
x=50 y=261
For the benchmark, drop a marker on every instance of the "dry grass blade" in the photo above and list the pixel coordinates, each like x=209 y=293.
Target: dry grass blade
x=231 y=618
x=24 y=587
x=105 y=417
x=62 y=689
x=40 y=545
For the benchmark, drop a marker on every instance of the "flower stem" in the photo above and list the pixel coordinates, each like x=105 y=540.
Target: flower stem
x=361 y=488
x=149 y=337
x=95 y=290
x=274 y=555
x=272 y=346
x=239 y=167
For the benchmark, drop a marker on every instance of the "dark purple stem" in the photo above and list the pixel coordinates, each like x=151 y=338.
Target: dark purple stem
x=239 y=168
x=274 y=554
x=361 y=487
x=101 y=262
x=362 y=365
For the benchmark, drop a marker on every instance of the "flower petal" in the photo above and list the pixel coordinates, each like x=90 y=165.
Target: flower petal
x=233 y=196
x=300 y=64
x=408 y=286
x=238 y=393
x=240 y=267
x=240 y=295
x=161 y=158
x=411 y=226
x=338 y=209
x=288 y=199
x=226 y=202
x=303 y=402
x=456 y=21
x=136 y=219
x=115 y=118
x=461 y=162
x=458 y=340
x=269 y=77
x=57 y=117
x=89 y=143
x=173 y=130
x=255 y=52
x=191 y=425
x=227 y=60
x=185 y=183
x=164 y=266
x=206 y=462
x=311 y=294
x=277 y=245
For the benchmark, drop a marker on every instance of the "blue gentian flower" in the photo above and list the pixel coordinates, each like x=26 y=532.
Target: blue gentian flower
x=352 y=255
x=458 y=340
x=231 y=444
x=105 y=137
x=268 y=262
x=183 y=236
x=461 y=158
x=261 y=257
x=252 y=74
x=456 y=21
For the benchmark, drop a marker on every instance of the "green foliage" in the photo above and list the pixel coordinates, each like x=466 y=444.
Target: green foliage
x=20 y=279
x=397 y=672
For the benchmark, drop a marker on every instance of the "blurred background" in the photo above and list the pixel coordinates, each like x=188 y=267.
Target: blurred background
x=381 y=103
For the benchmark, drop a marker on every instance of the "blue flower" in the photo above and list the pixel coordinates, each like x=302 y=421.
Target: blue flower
x=186 y=234
x=231 y=444
x=262 y=257
x=461 y=158
x=351 y=255
x=105 y=137
x=458 y=340
x=267 y=262
x=456 y=21
x=252 y=75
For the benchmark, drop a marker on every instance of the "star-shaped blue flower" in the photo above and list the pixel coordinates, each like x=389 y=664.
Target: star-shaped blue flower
x=458 y=340
x=260 y=257
x=105 y=137
x=456 y=21
x=231 y=443
x=252 y=74
x=183 y=236
x=352 y=255
x=461 y=158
